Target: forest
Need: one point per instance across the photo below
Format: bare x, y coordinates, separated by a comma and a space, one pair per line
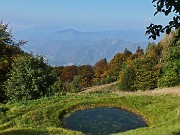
25, 76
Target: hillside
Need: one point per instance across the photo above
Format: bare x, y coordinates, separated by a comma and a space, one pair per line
43, 116
112, 88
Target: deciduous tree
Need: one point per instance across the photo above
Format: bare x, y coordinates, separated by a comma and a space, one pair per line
9, 49
171, 69
29, 78
68, 73
115, 66
166, 7
100, 70
86, 74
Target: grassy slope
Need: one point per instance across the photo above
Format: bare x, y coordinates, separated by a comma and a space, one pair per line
162, 112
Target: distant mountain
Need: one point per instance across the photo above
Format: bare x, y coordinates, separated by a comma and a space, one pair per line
75, 47
70, 34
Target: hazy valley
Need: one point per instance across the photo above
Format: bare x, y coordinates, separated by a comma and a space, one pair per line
66, 47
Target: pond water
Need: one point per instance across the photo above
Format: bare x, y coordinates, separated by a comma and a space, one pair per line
102, 121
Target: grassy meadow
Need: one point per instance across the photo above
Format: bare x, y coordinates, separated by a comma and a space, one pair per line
43, 116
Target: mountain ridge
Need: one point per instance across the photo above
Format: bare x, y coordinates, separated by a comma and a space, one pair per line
70, 46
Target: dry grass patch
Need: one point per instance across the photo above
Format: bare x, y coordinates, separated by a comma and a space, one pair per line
163, 91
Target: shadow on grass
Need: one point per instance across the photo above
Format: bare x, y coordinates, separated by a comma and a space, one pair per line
24, 132
177, 133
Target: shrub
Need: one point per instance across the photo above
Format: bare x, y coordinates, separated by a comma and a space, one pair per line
29, 78
57, 88
76, 84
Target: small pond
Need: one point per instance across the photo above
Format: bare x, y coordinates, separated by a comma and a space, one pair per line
102, 121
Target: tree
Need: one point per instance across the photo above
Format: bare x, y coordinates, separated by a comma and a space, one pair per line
138, 54
146, 73
127, 54
86, 74
9, 49
100, 70
68, 73
154, 52
76, 85
127, 76
57, 88
167, 7
6, 37
117, 63
115, 66
29, 78
171, 69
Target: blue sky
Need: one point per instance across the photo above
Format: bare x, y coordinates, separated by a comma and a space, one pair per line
80, 14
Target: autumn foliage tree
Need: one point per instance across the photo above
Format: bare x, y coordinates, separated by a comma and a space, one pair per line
127, 54
117, 63
138, 54
68, 73
86, 73
142, 71
100, 70
146, 74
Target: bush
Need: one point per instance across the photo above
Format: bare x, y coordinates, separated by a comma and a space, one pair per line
57, 88
29, 78
76, 84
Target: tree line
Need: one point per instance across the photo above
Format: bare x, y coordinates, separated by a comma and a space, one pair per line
24, 76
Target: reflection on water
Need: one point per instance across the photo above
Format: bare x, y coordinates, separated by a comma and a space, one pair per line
103, 121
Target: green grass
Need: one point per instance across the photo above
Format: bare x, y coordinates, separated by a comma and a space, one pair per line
43, 116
